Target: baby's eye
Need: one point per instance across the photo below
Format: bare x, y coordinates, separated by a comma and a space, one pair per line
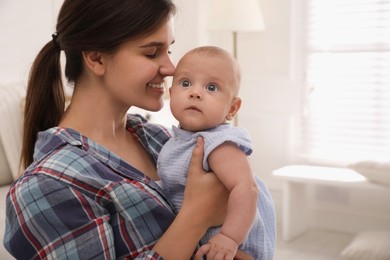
212, 87
185, 83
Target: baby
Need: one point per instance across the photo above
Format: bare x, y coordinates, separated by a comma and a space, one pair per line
204, 97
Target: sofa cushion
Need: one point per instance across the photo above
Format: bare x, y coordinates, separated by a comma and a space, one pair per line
5, 172
373, 245
11, 96
375, 171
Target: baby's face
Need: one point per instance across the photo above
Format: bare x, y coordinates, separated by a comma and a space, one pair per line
203, 91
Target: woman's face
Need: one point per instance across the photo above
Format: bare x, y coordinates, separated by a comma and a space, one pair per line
134, 74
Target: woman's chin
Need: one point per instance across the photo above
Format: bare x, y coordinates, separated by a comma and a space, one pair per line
155, 107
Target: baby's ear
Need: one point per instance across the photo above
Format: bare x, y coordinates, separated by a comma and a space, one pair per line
235, 106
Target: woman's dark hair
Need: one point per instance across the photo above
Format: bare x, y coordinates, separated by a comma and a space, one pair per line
99, 25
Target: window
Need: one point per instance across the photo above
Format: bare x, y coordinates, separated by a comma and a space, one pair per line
347, 72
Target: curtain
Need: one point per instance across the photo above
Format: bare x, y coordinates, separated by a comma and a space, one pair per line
346, 117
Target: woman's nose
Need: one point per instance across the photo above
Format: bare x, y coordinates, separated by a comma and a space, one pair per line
167, 68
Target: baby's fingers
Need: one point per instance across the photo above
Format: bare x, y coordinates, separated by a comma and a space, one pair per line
203, 250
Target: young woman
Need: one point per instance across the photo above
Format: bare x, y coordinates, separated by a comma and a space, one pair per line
89, 191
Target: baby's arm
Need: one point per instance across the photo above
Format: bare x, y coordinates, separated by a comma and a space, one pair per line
232, 167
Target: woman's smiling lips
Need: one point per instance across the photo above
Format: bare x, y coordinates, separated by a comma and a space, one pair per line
156, 85
160, 87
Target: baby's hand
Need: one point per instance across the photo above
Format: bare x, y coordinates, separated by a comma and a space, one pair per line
219, 247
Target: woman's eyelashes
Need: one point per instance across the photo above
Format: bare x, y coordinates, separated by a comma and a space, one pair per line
156, 53
151, 56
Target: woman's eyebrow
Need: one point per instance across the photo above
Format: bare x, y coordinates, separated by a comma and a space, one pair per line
155, 44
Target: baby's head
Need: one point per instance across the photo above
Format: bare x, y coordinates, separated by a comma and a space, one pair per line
205, 88
211, 56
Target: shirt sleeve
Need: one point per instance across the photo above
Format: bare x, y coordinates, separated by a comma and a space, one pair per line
223, 134
48, 219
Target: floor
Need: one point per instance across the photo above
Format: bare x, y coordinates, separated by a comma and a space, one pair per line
314, 245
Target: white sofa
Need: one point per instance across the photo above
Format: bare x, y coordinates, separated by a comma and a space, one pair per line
11, 99
4, 255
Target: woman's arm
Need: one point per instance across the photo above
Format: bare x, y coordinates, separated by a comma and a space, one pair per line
47, 219
204, 205
59, 217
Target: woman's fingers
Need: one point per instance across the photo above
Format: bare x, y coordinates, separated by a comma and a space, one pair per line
240, 255
196, 163
211, 194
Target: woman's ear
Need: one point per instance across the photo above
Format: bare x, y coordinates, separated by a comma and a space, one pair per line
236, 104
94, 62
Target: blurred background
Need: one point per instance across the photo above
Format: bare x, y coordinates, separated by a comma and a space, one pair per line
316, 101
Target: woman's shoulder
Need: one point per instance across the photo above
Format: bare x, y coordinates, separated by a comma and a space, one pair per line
152, 133
65, 157
138, 121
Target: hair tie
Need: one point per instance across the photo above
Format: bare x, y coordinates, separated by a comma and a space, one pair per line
54, 37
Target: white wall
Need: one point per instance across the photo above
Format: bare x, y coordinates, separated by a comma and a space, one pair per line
271, 91
25, 26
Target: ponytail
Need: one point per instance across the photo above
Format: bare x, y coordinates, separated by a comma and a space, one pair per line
45, 98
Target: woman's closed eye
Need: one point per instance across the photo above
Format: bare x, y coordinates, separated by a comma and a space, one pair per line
155, 53
152, 56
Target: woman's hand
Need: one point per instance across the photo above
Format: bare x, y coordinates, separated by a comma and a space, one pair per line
204, 194
240, 255
204, 205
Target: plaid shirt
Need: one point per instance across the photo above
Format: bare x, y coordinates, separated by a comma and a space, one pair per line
77, 200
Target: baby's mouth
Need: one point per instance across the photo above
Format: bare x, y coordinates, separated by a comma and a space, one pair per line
194, 108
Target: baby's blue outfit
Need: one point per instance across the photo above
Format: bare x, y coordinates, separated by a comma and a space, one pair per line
172, 166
